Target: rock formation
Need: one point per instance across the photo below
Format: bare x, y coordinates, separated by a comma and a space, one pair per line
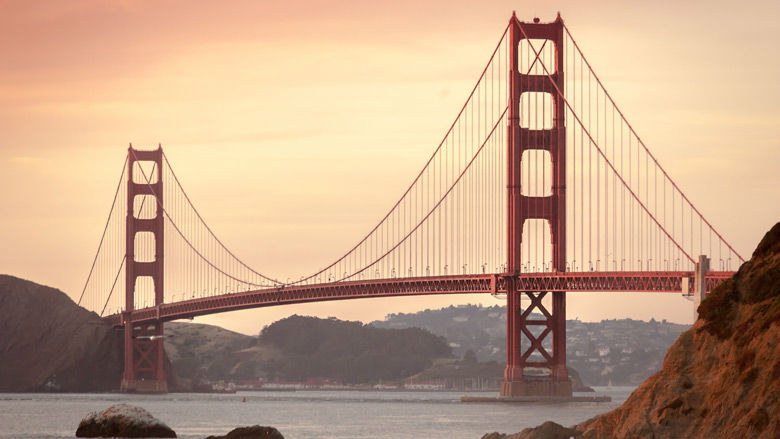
253, 432
123, 420
548, 430
47, 342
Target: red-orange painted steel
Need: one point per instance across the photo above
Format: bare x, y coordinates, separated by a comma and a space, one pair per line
640, 281
551, 208
514, 222
143, 362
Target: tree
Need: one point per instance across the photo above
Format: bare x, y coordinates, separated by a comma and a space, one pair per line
470, 357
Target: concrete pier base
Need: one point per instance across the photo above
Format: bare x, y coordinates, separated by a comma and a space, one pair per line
144, 386
536, 399
530, 386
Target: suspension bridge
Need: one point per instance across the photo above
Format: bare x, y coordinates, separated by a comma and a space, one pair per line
539, 187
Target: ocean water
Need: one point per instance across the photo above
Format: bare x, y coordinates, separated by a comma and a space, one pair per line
299, 415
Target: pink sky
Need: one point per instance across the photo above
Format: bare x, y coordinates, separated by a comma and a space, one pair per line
294, 125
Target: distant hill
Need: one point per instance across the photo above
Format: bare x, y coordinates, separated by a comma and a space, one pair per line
47, 342
348, 351
299, 348
204, 351
623, 352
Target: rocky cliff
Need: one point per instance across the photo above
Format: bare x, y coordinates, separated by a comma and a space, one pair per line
47, 342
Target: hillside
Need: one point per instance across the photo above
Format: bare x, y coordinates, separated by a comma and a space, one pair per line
623, 352
299, 348
46, 338
347, 351
721, 379
197, 350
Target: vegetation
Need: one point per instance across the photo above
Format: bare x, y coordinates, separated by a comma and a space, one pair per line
299, 348
348, 351
756, 283
205, 351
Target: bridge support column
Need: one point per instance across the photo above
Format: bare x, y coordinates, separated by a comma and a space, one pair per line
144, 358
554, 381
699, 284
550, 377
144, 369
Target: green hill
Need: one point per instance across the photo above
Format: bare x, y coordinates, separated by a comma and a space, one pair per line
348, 351
298, 348
197, 350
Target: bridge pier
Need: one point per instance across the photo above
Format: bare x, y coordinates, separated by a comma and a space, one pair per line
144, 358
699, 284
556, 381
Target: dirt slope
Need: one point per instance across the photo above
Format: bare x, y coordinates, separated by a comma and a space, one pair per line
43, 334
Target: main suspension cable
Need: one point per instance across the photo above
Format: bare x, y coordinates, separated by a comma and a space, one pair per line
647, 150
105, 229
187, 241
197, 213
420, 174
603, 156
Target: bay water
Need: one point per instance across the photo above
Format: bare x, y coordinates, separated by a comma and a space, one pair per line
300, 414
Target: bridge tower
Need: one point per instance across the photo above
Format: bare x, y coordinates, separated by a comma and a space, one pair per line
144, 369
550, 208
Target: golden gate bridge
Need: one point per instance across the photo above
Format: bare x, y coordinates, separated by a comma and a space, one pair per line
540, 186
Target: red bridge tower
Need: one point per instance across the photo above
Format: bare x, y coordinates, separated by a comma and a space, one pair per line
551, 208
144, 368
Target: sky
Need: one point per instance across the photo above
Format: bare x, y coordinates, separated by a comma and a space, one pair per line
294, 125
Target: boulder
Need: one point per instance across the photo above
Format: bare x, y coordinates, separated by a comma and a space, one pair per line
253, 432
548, 430
123, 420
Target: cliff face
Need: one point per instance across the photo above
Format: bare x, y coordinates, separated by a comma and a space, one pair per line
722, 377
45, 336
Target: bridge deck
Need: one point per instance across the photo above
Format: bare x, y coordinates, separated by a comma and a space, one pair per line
639, 281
